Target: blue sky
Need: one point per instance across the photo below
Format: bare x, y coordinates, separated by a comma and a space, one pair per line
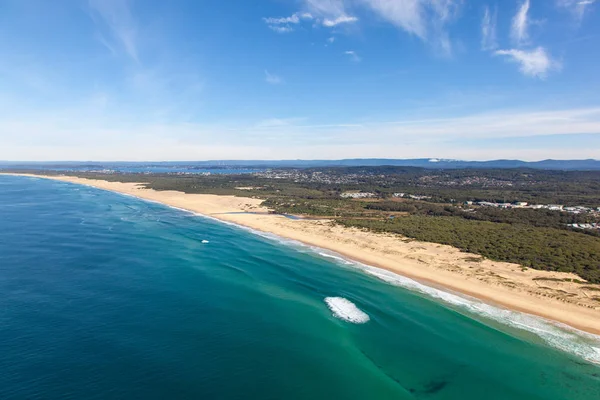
311, 79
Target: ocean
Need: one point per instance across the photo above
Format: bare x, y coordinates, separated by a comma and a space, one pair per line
105, 296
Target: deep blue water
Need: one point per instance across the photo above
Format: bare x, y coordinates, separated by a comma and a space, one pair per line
108, 297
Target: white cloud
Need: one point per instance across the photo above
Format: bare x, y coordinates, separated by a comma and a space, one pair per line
577, 7
488, 29
426, 19
535, 63
284, 24
326, 8
353, 56
342, 19
294, 19
520, 24
328, 13
273, 79
331, 39
281, 29
116, 17
408, 15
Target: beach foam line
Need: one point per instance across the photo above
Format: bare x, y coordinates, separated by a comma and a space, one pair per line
558, 335
561, 336
337, 258
343, 308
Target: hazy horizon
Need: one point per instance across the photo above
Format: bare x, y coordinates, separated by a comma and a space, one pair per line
431, 160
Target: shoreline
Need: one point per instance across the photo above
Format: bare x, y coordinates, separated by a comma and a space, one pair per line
437, 266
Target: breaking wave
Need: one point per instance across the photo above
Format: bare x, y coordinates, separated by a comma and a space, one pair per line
561, 336
343, 308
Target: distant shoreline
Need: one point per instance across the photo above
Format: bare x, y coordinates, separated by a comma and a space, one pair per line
438, 266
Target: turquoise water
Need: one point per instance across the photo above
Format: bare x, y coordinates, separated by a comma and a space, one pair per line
108, 297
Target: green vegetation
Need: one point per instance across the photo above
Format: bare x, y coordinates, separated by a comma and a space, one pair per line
539, 218
538, 248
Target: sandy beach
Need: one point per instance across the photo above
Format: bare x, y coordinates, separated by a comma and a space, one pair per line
541, 293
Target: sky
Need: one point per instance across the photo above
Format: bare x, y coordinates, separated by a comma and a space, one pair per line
145, 80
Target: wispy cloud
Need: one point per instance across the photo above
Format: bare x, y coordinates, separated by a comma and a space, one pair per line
489, 40
326, 8
342, 19
532, 62
426, 19
294, 19
353, 56
325, 13
281, 29
535, 63
115, 17
285, 24
577, 7
520, 24
408, 15
272, 79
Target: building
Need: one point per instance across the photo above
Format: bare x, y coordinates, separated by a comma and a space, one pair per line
357, 195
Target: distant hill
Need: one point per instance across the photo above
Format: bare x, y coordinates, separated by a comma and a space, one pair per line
432, 163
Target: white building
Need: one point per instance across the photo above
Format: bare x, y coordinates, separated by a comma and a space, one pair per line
357, 195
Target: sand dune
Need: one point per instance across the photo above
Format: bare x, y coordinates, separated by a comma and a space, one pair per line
536, 292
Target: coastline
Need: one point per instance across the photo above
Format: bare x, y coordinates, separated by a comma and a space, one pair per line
539, 293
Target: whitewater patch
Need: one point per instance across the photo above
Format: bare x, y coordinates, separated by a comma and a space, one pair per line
336, 258
343, 308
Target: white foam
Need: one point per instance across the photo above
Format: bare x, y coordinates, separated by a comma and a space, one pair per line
343, 308
205, 242
561, 336
337, 258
